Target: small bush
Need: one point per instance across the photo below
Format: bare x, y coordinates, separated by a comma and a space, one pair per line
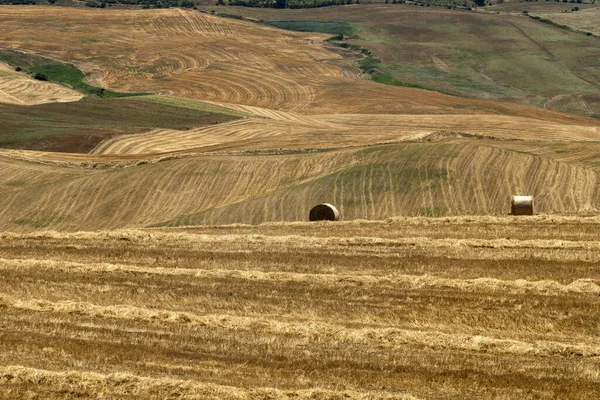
40, 77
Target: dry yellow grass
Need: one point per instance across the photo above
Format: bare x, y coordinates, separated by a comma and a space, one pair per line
195, 55
403, 309
298, 92
302, 98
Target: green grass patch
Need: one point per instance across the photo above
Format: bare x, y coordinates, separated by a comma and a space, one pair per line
69, 75
594, 164
519, 151
433, 211
373, 66
41, 219
387, 79
331, 27
15, 183
44, 69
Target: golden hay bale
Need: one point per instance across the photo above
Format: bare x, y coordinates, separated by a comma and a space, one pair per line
324, 212
521, 205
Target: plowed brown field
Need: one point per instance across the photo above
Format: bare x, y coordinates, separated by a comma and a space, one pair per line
470, 307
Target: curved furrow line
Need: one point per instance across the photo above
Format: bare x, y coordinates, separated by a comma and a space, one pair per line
206, 176
446, 167
308, 69
483, 162
152, 193
171, 204
265, 91
6, 97
144, 142
254, 91
310, 121
165, 196
222, 87
279, 89
94, 204
73, 196
116, 145
222, 51
17, 88
468, 160
178, 23
570, 103
559, 175
172, 140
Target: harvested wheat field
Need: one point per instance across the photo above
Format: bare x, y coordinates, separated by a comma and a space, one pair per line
414, 308
295, 90
446, 176
153, 244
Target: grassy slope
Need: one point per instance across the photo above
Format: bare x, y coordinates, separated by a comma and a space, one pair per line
455, 177
480, 308
78, 127
469, 54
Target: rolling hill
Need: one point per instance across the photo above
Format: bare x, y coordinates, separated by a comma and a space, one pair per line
296, 120
506, 56
154, 246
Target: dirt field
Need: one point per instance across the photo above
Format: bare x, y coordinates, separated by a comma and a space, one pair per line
469, 307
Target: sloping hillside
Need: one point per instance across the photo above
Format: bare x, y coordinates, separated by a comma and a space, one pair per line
449, 177
312, 130
483, 55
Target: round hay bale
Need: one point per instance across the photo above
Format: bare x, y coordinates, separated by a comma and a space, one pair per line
521, 205
324, 212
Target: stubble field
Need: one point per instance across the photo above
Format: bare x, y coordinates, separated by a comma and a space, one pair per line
307, 127
469, 307
120, 278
